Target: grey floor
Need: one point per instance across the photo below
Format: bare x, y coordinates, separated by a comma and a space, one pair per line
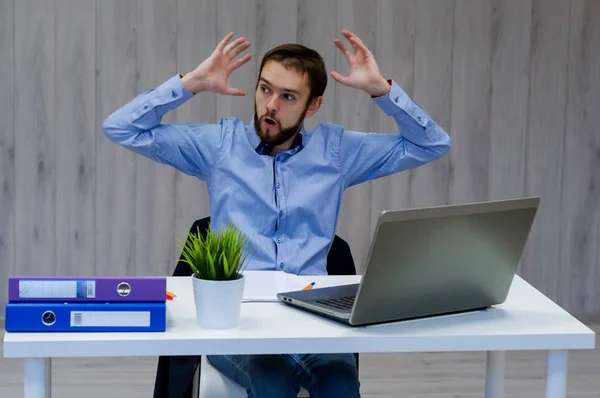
408, 375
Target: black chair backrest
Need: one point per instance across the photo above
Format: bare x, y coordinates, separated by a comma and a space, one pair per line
339, 258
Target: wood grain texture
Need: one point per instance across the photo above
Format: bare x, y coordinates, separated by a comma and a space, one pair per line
115, 166
7, 145
434, 30
195, 42
515, 83
541, 264
241, 19
355, 110
471, 95
275, 25
581, 169
316, 27
155, 237
511, 26
395, 55
75, 155
34, 137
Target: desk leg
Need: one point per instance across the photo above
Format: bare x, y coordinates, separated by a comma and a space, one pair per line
556, 374
494, 380
37, 378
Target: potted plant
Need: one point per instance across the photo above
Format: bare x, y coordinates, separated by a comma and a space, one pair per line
216, 261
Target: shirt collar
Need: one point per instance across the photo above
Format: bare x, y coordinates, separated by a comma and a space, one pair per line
265, 149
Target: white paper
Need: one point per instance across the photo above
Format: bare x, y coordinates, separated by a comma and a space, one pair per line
264, 285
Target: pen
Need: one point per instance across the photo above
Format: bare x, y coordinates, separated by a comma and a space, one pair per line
309, 286
170, 296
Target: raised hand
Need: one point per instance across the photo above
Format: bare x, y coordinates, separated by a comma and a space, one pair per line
212, 73
364, 72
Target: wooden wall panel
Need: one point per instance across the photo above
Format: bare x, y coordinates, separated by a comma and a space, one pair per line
115, 166
275, 25
548, 62
7, 145
581, 167
34, 137
471, 96
514, 82
75, 152
511, 26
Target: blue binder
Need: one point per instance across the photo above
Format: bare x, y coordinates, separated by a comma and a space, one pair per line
86, 317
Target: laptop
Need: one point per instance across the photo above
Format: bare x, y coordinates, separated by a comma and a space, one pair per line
431, 261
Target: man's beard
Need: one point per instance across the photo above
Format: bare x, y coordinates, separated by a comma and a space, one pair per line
283, 135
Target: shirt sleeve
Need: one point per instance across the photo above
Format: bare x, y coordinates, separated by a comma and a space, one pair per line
191, 148
420, 140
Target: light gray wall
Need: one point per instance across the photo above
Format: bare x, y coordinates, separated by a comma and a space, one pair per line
516, 83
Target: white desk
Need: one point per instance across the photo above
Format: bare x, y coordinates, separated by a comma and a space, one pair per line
526, 321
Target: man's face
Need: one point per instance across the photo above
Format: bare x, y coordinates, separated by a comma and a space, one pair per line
281, 103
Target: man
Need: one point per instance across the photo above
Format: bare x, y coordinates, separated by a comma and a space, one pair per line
275, 180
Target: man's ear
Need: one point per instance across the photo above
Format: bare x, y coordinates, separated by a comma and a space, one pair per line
314, 106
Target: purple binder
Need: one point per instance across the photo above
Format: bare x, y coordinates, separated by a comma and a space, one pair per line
87, 289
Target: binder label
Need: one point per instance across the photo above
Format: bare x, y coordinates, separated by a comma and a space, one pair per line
68, 289
110, 318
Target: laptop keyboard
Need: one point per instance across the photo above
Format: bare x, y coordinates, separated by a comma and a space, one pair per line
340, 303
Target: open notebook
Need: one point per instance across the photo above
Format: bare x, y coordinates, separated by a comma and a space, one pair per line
264, 285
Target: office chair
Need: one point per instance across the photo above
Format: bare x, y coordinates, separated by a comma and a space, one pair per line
194, 376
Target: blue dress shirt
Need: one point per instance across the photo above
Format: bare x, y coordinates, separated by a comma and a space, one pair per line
287, 204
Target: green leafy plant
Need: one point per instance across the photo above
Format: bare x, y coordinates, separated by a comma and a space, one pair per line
218, 256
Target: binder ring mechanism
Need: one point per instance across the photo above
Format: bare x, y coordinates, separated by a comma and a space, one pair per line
48, 318
123, 289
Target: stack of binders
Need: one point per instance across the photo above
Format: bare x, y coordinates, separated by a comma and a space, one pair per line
90, 304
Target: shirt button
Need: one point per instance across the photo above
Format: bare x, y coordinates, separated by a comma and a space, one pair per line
278, 240
278, 185
281, 212
280, 265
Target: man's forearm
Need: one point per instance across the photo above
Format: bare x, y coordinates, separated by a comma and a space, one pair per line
379, 88
193, 83
413, 122
145, 111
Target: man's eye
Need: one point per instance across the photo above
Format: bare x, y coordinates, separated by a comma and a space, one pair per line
264, 89
289, 97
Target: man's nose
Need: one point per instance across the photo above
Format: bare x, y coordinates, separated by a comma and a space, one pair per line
273, 105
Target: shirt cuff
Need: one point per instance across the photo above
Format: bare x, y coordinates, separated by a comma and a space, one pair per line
397, 101
185, 91
173, 90
390, 83
168, 96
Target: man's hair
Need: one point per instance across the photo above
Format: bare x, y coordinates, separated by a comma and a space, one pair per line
303, 60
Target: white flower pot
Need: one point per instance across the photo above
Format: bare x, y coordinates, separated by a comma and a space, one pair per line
218, 303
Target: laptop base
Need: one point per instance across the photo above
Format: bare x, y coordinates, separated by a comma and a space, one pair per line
431, 261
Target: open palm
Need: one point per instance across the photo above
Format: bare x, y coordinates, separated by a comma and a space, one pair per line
216, 69
364, 73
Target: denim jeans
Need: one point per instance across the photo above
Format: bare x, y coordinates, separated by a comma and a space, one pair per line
322, 375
